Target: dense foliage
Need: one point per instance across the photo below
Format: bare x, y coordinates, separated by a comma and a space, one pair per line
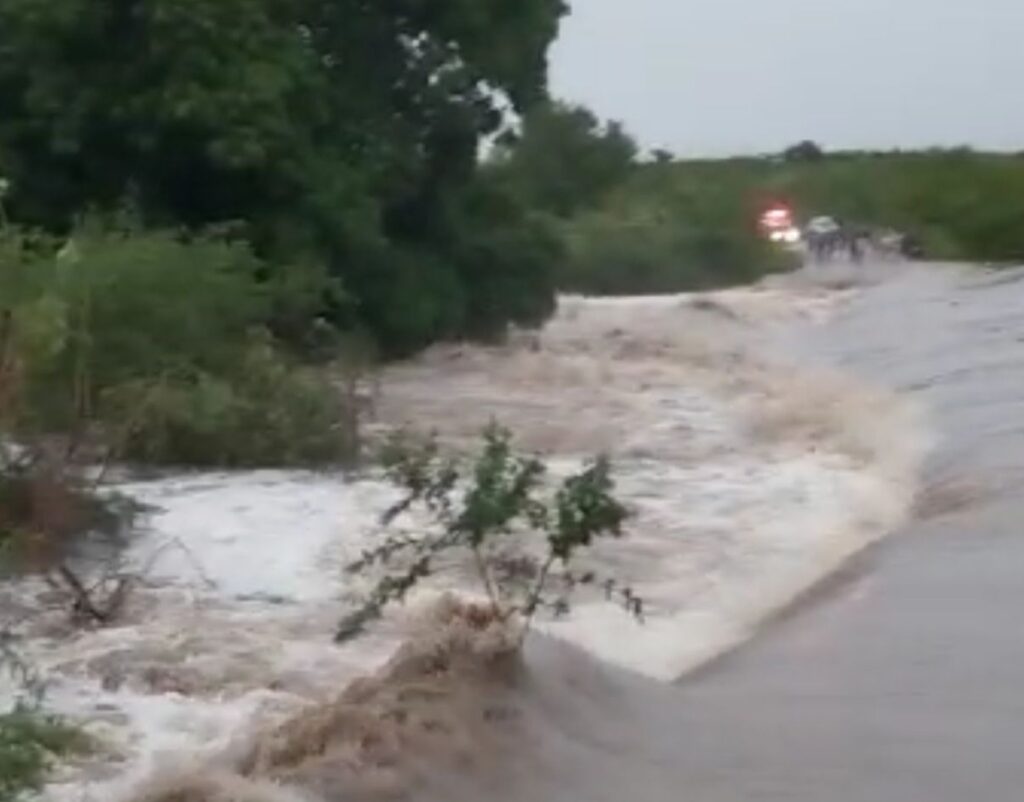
563, 159
335, 131
149, 346
625, 226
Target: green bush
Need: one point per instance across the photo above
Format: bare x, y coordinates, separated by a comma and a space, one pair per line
154, 344
30, 739
113, 308
524, 536
29, 743
265, 412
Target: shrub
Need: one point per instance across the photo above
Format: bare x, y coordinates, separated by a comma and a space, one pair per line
29, 743
152, 345
264, 412
30, 739
522, 540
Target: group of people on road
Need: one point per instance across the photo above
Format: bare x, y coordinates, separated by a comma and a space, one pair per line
828, 239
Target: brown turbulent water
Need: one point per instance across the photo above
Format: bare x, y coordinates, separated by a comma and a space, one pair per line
760, 462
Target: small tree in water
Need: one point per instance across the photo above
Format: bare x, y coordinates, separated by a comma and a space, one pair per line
521, 536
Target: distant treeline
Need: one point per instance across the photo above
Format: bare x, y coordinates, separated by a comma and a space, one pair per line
670, 225
962, 204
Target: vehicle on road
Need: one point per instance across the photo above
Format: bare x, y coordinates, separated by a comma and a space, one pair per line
822, 225
777, 225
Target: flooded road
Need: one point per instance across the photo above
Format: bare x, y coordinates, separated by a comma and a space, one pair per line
770, 442
901, 680
899, 677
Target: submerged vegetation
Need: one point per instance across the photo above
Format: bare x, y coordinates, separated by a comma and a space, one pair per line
522, 540
30, 739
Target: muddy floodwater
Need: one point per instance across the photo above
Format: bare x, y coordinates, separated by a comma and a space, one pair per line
825, 475
901, 680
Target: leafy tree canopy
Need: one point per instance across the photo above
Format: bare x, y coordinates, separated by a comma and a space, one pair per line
565, 159
345, 130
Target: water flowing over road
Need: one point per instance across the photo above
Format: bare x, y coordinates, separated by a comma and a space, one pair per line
902, 680
768, 440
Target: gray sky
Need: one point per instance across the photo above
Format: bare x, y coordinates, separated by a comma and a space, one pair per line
711, 77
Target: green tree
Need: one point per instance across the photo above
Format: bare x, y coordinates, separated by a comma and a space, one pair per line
806, 151
565, 159
333, 129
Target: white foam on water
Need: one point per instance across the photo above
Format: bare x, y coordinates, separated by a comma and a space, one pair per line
232, 626
744, 540
286, 534
750, 481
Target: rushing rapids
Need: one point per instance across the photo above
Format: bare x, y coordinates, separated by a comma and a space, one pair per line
751, 479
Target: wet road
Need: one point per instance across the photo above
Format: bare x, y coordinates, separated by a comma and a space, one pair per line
902, 680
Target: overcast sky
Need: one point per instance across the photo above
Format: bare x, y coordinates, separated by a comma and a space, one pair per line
711, 77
